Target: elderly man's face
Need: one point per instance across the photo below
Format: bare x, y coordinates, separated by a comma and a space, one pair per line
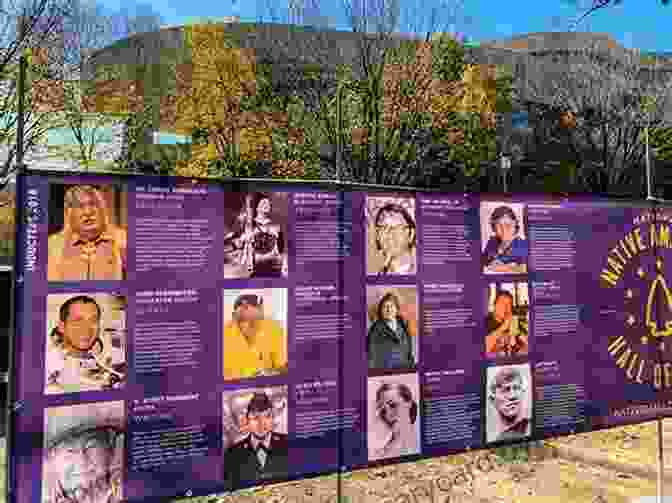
86, 216
248, 312
508, 398
394, 234
505, 228
260, 423
84, 463
503, 308
80, 329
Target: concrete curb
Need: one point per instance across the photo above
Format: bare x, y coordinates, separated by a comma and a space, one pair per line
594, 457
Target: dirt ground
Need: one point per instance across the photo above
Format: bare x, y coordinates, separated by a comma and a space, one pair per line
504, 475
482, 476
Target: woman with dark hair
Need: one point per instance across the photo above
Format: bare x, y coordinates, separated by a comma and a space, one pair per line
506, 251
395, 239
258, 242
398, 412
389, 340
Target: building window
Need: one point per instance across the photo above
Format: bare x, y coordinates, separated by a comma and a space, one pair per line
520, 120
162, 138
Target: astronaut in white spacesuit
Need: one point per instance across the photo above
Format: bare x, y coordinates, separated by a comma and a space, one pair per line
78, 357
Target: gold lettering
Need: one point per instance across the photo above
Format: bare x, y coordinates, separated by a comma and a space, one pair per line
663, 237
615, 346
638, 240
621, 243
615, 265
609, 277
630, 240
638, 378
623, 359
667, 371
618, 254
657, 377
652, 236
633, 361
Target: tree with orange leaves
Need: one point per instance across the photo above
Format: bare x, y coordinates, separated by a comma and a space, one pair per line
219, 103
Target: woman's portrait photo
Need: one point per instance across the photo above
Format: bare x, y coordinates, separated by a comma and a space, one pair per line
391, 235
85, 342
392, 335
84, 453
505, 246
509, 403
507, 321
87, 233
393, 416
255, 235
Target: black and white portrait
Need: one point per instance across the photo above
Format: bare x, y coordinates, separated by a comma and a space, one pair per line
393, 416
84, 453
255, 235
509, 403
255, 435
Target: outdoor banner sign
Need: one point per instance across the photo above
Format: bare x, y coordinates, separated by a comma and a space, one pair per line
184, 337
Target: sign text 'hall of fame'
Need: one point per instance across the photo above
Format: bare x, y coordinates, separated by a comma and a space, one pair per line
637, 266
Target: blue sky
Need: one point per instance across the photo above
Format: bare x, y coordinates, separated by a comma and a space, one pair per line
642, 24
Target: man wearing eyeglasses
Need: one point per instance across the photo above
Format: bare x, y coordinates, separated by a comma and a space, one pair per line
253, 346
395, 240
508, 395
506, 251
263, 454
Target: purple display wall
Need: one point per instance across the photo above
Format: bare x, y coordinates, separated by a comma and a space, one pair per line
180, 337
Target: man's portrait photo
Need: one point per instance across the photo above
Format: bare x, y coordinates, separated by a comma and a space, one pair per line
507, 322
87, 233
505, 248
393, 416
391, 235
85, 343
255, 436
255, 235
509, 403
84, 453
255, 333
392, 327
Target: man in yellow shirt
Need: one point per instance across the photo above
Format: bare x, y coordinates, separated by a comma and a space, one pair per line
253, 346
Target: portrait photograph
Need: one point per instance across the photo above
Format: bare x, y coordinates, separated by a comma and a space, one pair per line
393, 404
255, 441
88, 233
255, 333
390, 235
392, 327
509, 403
504, 246
508, 320
85, 342
255, 234
83, 458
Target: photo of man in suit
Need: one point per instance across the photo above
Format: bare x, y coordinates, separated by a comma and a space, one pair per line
262, 454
